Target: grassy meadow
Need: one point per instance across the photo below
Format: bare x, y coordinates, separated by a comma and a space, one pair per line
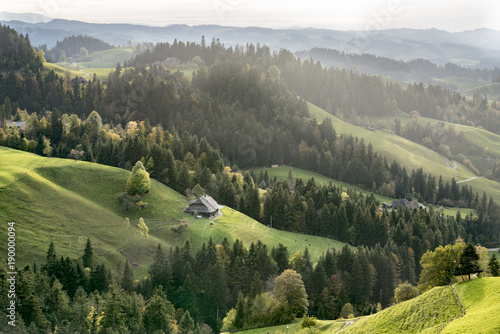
419, 156
68, 201
439, 310
395, 147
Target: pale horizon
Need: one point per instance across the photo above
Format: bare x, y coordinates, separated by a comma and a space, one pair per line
452, 16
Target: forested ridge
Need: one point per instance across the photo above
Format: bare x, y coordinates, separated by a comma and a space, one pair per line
417, 70
71, 47
240, 110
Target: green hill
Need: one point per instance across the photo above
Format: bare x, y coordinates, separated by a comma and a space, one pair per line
325, 326
491, 90
440, 309
66, 201
412, 155
424, 314
406, 152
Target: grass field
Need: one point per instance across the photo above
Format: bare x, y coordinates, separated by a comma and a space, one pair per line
423, 314
87, 73
67, 201
62, 71
463, 84
100, 63
482, 307
438, 310
470, 135
491, 90
281, 173
325, 326
426, 313
109, 58
407, 153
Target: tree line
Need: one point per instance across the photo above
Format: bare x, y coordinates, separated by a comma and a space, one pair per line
225, 287
416, 70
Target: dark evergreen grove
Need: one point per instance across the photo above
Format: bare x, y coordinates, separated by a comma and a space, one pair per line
192, 292
240, 110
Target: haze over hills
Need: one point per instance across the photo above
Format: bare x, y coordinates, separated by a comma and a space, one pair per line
475, 48
192, 119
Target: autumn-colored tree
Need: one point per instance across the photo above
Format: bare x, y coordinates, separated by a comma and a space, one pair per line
138, 183
290, 293
439, 266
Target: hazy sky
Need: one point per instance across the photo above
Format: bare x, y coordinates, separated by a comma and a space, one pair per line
451, 15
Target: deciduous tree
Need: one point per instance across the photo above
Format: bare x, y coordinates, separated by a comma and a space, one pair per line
290, 293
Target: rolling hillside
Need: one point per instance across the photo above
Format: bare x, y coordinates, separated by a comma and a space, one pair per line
66, 201
407, 153
431, 312
438, 310
412, 155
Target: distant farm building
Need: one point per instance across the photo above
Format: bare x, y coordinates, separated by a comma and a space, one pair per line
386, 205
204, 206
20, 125
171, 61
407, 204
82, 81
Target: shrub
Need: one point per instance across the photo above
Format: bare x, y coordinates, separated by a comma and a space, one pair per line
405, 291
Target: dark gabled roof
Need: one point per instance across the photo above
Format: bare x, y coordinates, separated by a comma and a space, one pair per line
404, 202
209, 202
203, 204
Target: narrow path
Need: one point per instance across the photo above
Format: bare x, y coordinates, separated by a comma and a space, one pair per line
493, 249
472, 178
86, 73
448, 162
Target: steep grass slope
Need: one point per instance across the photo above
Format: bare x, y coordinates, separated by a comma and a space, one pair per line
439, 310
412, 155
67, 201
424, 314
481, 298
407, 153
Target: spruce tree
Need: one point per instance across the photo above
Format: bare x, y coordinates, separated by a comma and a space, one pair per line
469, 261
494, 266
88, 255
127, 279
186, 324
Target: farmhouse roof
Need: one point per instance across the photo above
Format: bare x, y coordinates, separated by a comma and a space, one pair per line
21, 125
204, 204
405, 203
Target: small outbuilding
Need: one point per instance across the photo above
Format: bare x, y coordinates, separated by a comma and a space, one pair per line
204, 206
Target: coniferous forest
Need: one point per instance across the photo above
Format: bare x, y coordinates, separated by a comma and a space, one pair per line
244, 108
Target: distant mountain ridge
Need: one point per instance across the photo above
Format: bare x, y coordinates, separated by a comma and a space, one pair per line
478, 48
24, 17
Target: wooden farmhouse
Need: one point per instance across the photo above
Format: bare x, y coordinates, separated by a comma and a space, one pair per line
204, 206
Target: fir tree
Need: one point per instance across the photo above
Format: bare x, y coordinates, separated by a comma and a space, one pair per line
88, 255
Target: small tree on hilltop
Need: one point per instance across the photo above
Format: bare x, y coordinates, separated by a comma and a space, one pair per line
309, 323
138, 183
405, 291
469, 261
